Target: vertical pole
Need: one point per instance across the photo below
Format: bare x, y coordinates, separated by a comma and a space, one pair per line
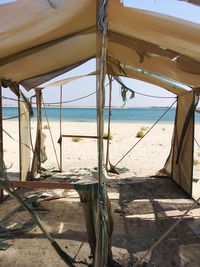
101, 252
19, 129
36, 162
39, 111
60, 128
1, 141
109, 119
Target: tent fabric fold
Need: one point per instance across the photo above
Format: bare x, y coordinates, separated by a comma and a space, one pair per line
46, 40
24, 140
38, 80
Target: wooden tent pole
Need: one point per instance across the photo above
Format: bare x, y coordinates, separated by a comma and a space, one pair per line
1, 141
103, 254
109, 119
19, 130
36, 162
60, 143
39, 93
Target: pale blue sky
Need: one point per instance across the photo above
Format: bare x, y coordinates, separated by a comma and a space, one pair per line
87, 85
175, 8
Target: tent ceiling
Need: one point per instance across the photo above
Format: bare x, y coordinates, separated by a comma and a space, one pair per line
156, 64
26, 24
113, 68
52, 58
42, 39
168, 32
35, 81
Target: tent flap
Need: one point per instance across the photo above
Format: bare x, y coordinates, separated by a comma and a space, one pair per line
24, 138
182, 162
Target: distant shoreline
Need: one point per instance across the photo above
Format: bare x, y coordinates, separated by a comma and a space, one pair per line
94, 107
88, 114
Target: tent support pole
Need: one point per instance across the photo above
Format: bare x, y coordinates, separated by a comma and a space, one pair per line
103, 254
19, 129
109, 119
36, 162
1, 142
60, 143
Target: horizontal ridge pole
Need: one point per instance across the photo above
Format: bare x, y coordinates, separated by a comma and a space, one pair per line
43, 185
83, 136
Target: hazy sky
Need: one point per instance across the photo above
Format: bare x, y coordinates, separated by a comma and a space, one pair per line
87, 85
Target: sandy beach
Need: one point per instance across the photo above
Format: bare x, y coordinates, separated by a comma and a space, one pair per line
145, 159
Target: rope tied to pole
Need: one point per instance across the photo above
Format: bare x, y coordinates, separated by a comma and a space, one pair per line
113, 166
50, 133
52, 103
15, 117
5, 184
69, 101
197, 142
11, 137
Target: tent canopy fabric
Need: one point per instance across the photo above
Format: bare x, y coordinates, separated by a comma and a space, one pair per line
40, 40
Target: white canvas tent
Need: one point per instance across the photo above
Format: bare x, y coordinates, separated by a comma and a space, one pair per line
40, 40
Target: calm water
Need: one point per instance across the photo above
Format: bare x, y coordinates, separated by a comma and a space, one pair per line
89, 114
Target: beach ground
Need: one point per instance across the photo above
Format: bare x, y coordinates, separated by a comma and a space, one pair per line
143, 207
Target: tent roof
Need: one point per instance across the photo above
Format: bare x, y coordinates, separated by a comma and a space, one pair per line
40, 40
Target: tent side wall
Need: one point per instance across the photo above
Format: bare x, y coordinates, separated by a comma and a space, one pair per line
180, 161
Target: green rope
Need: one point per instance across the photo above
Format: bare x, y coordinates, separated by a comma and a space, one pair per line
5, 184
144, 135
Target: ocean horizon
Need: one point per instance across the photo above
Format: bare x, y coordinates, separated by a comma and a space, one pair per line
86, 114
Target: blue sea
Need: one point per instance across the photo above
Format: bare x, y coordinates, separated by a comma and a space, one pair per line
118, 114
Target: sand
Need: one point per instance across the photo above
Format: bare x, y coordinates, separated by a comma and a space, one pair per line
143, 208
145, 159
